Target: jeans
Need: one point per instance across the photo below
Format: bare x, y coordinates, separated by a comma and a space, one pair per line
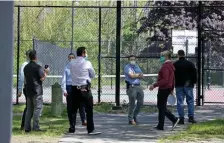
181, 92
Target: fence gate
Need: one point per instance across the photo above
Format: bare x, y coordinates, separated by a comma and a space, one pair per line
212, 55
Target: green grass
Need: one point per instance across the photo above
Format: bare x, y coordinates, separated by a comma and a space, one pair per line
55, 126
203, 131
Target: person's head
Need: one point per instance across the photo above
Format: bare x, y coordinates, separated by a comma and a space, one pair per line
165, 55
27, 55
180, 53
81, 52
71, 56
33, 55
132, 59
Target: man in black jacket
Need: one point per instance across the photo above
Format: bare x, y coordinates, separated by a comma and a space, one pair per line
185, 78
34, 76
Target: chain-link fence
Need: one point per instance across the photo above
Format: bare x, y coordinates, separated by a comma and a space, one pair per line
147, 28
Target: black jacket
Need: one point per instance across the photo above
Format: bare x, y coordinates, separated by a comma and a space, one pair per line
33, 73
185, 73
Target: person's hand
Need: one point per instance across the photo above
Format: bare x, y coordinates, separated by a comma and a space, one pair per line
172, 93
19, 94
151, 87
47, 70
141, 75
65, 94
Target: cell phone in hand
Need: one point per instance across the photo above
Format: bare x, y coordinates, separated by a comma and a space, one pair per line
46, 66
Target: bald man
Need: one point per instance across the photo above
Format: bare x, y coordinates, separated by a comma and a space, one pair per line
165, 83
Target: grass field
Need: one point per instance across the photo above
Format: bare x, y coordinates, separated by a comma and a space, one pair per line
209, 130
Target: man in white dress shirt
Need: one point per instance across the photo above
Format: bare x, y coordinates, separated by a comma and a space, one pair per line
81, 73
67, 90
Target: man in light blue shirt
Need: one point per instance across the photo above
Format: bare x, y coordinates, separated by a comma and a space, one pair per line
67, 89
133, 76
20, 86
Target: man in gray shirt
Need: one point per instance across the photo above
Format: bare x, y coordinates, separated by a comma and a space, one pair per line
34, 75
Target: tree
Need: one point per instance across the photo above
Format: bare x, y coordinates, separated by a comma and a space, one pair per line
161, 20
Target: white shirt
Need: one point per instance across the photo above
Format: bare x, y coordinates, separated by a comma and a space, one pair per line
81, 71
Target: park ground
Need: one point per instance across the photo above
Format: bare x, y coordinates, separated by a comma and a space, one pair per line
114, 127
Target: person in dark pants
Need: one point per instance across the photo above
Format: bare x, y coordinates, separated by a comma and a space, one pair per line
81, 73
185, 78
34, 76
21, 88
165, 83
67, 90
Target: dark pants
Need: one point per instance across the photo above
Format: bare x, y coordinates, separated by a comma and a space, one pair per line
70, 105
82, 97
24, 112
163, 111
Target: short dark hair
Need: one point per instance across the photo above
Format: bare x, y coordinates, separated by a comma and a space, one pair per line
130, 56
71, 54
181, 53
27, 52
80, 51
32, 55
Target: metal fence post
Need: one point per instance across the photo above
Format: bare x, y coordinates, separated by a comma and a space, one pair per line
6, 59
99, 58
72, 26
209, 64
199, 53
18, 52
118, 46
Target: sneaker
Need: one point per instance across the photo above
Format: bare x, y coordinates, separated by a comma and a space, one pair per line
191, 120
181, 122
94, 133
132, 123
175, 123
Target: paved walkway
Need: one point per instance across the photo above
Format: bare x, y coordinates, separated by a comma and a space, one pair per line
114, 127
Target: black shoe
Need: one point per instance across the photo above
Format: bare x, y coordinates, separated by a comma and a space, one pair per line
181, 122
159, 129
175, 123
27, 131
191, 120
71, 131
94, 133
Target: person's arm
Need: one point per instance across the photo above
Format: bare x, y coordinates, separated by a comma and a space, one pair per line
128, 71
42, 74
91, 70
165, 78
63, 82
21, 80
140, 71
194, 73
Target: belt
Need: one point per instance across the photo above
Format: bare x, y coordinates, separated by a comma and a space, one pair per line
132, 85
81, 86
